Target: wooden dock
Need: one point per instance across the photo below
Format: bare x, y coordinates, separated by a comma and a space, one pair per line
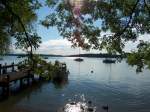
6, 77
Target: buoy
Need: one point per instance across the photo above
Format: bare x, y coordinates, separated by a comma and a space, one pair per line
92, 71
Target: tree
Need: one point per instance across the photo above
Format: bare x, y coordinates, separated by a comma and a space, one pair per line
17, 19
125, 19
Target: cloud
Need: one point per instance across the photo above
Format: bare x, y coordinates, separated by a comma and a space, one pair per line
12, 49
60, 46
56, 42
63, 47
54, 46
131, 46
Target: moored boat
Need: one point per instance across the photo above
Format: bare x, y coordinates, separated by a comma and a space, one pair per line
109, 61
78, 59
18, 56
45, 57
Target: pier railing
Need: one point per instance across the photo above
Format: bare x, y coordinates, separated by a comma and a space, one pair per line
13, 74
4, 68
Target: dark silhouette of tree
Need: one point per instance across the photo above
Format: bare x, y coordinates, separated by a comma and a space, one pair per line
17, 18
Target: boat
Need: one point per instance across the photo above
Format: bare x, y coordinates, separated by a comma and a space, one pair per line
109, 61
1, 58
78, 59
45, 57
19, 57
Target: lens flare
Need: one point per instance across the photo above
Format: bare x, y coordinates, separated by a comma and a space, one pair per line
76, 3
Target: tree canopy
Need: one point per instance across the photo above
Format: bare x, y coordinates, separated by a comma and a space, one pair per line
17, 19
76, 20
126, 20
82, 22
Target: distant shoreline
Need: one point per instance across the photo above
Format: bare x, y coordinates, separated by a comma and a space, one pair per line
101, 55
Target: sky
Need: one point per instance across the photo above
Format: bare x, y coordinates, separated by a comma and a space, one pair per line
53, 43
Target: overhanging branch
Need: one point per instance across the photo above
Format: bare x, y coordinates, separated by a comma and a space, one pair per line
130, 19
4, 2
148, 8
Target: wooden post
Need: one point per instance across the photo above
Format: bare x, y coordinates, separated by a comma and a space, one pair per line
7, 86
28, 78
21, 83
3, 90
33, 80
40, 78
0, 69
4, 69
13, 67
32, 76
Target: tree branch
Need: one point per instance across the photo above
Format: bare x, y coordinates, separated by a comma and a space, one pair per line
148, 8
21, 23
130, 19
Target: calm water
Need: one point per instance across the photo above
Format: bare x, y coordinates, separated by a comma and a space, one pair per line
116, 85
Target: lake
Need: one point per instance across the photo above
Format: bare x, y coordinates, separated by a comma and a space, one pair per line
116, 85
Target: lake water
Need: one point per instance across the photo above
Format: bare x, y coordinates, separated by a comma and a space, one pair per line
116, 85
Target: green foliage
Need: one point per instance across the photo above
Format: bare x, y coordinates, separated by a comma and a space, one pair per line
46, 70
140, 58
62, 17
125, 19
4, 43
22, 41
17, 18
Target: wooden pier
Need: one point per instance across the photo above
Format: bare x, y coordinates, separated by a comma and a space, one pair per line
6, 77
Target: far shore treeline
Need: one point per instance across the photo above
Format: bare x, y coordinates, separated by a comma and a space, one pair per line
98, 55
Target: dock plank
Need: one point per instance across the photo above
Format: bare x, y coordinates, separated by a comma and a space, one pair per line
13, 76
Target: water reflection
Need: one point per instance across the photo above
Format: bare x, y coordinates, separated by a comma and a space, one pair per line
78, 107
78, 104
60, 82
22, 92
116, 85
